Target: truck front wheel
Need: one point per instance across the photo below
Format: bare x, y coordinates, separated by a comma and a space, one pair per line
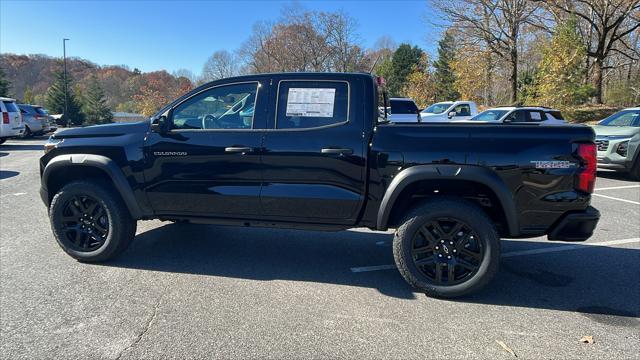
90, 222
447, 247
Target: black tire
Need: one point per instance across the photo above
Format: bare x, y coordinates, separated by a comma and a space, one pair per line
476, 244
635, 170
99, 240
27, 133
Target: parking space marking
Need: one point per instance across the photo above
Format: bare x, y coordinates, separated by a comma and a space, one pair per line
615, 198
619, 187
16, 194
519, 253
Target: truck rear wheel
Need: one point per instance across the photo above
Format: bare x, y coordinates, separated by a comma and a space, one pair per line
90, 222
447, 247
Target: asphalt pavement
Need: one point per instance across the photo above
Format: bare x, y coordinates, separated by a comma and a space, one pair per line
195, 291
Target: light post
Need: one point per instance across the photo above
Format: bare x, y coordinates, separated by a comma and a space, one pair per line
64, 61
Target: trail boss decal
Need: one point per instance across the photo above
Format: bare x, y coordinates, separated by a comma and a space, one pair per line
170, 153
553, 164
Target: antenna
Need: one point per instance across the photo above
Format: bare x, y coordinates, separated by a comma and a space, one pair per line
375, 63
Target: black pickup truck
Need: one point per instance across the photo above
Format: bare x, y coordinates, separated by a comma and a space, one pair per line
312, 151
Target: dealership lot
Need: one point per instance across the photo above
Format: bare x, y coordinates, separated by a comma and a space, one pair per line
213, 291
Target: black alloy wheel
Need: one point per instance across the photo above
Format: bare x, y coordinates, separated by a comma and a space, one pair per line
85, 223
447, 251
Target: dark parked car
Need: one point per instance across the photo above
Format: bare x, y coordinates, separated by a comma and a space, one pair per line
310, 151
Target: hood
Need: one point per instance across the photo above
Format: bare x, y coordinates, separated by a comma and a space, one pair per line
107, 130
617, 131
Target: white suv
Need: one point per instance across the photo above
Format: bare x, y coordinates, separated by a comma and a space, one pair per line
11, 125
526, 115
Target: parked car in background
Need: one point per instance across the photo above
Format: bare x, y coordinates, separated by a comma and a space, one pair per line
449, 111
36, 120
403, 110
618, 141
12, 125
533, 115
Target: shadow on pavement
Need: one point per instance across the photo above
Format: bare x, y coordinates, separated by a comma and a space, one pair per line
5, 174
615, 175
596, 281
2, 154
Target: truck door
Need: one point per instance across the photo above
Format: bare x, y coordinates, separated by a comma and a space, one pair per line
314, 152
208, 163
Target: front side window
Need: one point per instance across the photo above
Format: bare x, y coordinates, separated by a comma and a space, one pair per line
223, 107
623, 118
310, 104
517, 116
462, 110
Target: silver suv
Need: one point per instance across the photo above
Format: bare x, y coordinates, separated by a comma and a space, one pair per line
618, 140
36, 120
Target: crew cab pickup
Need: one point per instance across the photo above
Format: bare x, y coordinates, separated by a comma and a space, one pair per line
311, 151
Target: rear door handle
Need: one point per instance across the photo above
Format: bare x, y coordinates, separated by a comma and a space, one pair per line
237, 149
337, 151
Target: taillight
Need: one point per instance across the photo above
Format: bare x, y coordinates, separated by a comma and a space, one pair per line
5, 118
587, 173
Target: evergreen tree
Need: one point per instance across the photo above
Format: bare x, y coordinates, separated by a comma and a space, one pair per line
5, 85
405, 59
27, 98
55, 99
94, 107
444, 76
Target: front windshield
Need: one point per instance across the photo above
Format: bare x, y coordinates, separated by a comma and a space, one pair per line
437, 108
623, 118
490, 115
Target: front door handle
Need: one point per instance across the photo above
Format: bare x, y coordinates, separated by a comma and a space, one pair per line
237, 149
337, 151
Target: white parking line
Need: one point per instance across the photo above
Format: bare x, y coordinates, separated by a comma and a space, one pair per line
16, 194
520, 253
615, 198
619, 187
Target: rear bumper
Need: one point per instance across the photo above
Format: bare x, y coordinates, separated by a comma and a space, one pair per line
575, 225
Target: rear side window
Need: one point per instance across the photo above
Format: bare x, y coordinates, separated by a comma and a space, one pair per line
556, 115
403, 107
517, 116
463, 110
11, 106
537, 116
311, 104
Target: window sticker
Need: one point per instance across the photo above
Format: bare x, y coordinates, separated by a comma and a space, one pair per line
535, 115
311, 102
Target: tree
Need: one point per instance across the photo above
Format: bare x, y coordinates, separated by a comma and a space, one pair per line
55, 99
95, 107
496, 24
5, 85
472, 67
27, 98
444, 77
420, 85
221, 64
562, 69
405, 58
609, 22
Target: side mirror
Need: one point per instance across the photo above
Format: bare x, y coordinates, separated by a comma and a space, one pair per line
160, 125
451, 114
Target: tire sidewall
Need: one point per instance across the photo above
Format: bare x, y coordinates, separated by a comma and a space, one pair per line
450, 209
56, 209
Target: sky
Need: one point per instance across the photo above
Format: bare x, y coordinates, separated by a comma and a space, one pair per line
172, 35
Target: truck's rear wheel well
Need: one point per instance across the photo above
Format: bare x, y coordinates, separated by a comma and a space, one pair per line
473, 191
61, 177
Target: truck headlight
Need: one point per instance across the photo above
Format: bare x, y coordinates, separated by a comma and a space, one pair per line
622, 148
51, 144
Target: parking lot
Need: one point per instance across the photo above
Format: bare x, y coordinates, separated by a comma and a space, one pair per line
214, 291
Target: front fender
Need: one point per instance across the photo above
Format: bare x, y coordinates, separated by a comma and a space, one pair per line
476, 174
98, 161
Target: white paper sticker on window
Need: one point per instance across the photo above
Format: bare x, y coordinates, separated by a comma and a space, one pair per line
535, 115
311, 102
